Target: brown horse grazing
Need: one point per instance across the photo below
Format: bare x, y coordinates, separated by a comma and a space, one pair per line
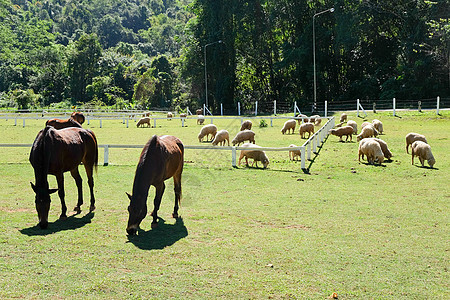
55, 152
161, 158
75, 120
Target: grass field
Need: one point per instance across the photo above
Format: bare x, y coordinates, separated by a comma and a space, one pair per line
362, 231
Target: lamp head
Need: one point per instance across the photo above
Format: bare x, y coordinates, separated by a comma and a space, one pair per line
332, 9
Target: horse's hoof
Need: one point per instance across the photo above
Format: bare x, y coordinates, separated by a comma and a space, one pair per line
91, 208
77, 209
154, 225
175, 215
63, 217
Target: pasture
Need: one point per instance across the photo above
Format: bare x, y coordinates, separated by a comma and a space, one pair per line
362, 231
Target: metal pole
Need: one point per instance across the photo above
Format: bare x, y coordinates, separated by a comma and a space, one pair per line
437, 105
326, 108
393, 106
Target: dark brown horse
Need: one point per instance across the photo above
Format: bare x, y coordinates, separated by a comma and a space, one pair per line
161, 158
55, 152
76, 120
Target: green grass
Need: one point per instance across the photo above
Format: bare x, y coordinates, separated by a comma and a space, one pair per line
364, 232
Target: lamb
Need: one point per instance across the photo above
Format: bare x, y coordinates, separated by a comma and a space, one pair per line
143, 121
372, 150
256, 155
220, 138
343, 117
340, 132
288, 125
303, 117
423, 151
306, 128
183, 115
200, 120
315, 119
206, 131
294, 153
366, 132
169, 115
378, 125
245, 135
247, 124
199, 111
412, 137
354, 125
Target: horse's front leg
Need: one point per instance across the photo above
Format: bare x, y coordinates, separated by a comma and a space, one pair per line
61, 194
76, 175
156, 203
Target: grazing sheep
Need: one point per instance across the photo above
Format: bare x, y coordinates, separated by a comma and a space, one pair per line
372, 150
318, 121
423, 151
200, 120
220, 138
304, 118
315, 119
306, 128
340, 132
169, 115
199, 111
147, 114
364, 124
343, 117
247, 124
143, 121
245, 135
183, 115
354, 125
384, 147
378, 125
294, 153
366, 132
288, 125
256, 155
412, 137
206, 131
339, 125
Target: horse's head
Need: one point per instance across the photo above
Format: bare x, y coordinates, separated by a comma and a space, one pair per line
137, 211
42, 201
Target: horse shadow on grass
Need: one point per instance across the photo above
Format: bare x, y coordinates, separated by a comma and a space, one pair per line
160, 237
71, 223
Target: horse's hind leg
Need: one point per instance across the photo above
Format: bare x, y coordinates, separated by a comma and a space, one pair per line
177, 189
156, 203
89, 172
76, 176
61, 194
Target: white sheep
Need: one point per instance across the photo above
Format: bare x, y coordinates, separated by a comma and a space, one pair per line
247, 124
378, 125
340, 132
294, 153
143, 121
183, 115
423, 151
221, 137
200, 120
303, 117
364, 124
412, 137
372, 150
315, 119
169, 115
306, 128
354, 125
288, 125
199, 111
206, 131
384, 147
366, 132
343, 117
244, 135
256, 155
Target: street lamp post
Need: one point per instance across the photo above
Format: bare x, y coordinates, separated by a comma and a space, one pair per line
314, 54
206, 77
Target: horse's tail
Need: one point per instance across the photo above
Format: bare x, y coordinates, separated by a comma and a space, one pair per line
96, 148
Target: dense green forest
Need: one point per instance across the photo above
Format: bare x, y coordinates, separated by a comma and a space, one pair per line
151, 53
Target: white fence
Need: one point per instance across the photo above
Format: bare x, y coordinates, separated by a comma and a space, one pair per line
309, 147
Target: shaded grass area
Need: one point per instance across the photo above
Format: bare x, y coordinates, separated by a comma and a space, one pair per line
359, 230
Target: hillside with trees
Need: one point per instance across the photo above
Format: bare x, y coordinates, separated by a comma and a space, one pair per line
151, 53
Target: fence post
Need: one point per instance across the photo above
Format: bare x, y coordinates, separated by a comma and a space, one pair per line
437, 105
302, 157
154, 122
127, 122
24, 123
239, 108
308, 155
374, 108
393, 106
106, 155
271, 124
256, 108
326, 108
419, 104
89, 120
15, 121
100, 123
295, 106
274, 108
182, 122
233, 156
357, 107
221, 109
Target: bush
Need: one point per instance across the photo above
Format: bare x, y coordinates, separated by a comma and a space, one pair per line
263, 123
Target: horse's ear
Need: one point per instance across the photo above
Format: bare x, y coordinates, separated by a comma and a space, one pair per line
33, 187
129, 196
51, 191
